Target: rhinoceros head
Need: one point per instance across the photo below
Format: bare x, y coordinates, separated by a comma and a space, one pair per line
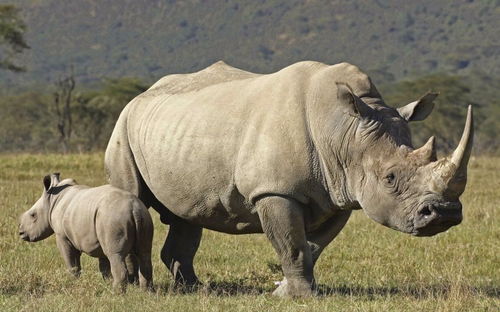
406, 189
35, 223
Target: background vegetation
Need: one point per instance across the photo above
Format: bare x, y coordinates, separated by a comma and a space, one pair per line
12, 41
367, 268
92, 57
407, 47
391, 39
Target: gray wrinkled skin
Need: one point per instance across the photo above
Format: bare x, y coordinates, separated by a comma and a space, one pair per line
104, 222
289, 154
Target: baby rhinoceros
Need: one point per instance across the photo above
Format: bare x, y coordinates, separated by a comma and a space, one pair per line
103, 222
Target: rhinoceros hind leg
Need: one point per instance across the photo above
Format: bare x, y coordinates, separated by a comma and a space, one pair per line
283, 224
132, 264
119, 272
104, 267
178, 252
146, 271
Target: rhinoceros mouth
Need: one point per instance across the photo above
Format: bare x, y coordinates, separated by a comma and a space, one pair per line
431, 219
24, 236
433, 230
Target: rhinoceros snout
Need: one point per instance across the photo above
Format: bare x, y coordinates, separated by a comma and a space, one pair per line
434, 218
23, 236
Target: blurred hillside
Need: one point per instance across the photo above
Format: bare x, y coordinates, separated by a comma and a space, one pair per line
390, 39
407, 47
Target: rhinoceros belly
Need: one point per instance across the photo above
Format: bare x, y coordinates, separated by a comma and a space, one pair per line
79, 226
186, 153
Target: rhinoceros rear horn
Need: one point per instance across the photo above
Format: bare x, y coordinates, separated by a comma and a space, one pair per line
426, 153
460, 157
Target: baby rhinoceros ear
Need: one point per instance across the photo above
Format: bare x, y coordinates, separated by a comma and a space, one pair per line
50, 181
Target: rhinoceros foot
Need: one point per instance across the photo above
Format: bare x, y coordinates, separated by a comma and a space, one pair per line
190, 286
295, 288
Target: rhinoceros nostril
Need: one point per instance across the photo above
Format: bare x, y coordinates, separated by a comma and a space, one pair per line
425, 211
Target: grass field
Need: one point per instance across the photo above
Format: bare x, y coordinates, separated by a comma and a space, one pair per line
367, 268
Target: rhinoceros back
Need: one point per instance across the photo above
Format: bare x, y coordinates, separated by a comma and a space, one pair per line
209, 144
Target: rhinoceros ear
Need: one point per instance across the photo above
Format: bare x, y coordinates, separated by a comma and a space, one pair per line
418, 110
50, 180
46, 182
351, 102
55, 178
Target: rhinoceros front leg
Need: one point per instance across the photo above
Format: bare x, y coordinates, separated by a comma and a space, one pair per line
178, 252
323, 236
104, 267
283, 223
70, 255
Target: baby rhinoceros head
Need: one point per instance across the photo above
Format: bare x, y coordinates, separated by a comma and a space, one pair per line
34, 224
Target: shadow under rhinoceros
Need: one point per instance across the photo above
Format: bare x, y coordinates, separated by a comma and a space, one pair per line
215, 288
418, 292
233, 288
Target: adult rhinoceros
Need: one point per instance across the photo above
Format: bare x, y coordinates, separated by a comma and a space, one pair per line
290, 154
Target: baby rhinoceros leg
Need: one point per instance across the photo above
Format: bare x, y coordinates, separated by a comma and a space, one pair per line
70, 254
143, 245
125, 229
145, 268
116, 239
119, 272
116, 246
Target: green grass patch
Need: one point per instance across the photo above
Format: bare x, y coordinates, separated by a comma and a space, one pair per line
367, 267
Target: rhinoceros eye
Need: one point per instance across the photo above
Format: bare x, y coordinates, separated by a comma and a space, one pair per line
390, 179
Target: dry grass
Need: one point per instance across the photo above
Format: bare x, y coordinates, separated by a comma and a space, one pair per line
367, 268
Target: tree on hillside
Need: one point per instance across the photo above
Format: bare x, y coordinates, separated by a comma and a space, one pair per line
66, 119
12, 40
97, 111
63, 98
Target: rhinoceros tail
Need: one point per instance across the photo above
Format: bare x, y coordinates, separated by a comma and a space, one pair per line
143, 228
143, 243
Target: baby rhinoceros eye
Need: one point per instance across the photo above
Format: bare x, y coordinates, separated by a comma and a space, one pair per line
390, 179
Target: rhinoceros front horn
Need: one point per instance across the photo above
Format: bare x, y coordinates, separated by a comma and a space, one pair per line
460, 158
